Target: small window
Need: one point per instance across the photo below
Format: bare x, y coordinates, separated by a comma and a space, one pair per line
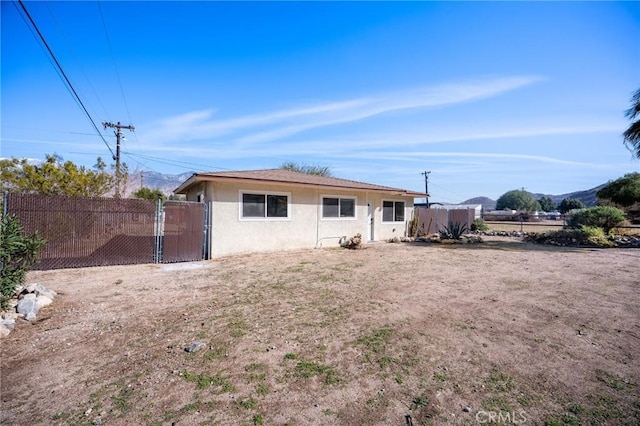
393, 211
338, 207
277, 205
265, 206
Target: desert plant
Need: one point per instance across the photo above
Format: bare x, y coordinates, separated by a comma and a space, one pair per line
413, 227
605, 217
353, 243
479, 224
17, 254
453, 231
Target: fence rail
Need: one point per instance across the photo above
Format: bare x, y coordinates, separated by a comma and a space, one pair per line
92, 231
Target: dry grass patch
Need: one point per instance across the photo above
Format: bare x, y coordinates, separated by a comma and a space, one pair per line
384, 335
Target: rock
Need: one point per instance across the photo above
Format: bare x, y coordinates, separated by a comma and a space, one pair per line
42, 301
467, 409
10, 315
28, 307
195, 346
9, 323
41, 290
4, 331
30, 288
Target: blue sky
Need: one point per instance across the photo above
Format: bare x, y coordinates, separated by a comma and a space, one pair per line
486, 96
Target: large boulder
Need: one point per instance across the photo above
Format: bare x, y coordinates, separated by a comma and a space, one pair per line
28, 306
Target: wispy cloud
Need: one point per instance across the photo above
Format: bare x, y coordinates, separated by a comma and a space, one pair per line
275, 125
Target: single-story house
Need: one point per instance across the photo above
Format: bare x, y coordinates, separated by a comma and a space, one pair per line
276, 209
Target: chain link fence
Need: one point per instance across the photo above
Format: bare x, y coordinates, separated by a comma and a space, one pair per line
92, 231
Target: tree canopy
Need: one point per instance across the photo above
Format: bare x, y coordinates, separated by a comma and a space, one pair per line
624, 191
631, 136
55, 177
304, 168
517, 199
547, 204
146, 193
569, 204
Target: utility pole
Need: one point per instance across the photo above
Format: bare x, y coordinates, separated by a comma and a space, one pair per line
426, 185
119, 134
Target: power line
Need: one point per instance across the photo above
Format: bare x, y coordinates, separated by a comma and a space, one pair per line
175, 163
48, 131
64, 75
75, 57
115, 67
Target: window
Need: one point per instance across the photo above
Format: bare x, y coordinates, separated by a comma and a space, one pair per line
393, 211
265, 206
338, 207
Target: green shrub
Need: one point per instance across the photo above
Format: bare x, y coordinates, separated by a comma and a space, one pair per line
594, 235
605, 217
454, 231
17, 254
479, 224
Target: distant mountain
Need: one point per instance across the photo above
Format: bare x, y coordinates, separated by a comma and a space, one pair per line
588, 198
487, 203
166, 183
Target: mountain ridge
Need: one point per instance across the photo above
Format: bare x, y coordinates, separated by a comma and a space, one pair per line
588, 197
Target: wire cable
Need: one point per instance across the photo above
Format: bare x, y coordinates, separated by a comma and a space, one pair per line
115, 67
175, 163
75, 57
64, 75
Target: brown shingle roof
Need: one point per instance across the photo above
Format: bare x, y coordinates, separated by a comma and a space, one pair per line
291, 177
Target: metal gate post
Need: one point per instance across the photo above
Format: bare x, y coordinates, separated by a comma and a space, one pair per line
157, 251
206, 231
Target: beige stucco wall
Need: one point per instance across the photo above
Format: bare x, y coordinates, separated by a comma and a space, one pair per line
304, 228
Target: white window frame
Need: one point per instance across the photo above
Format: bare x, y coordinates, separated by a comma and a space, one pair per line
265, 218
404, 211
339, 197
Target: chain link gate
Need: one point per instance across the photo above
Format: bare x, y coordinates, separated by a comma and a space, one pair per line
93, 231
183, 233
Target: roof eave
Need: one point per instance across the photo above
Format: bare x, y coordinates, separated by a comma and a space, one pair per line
186, 184
196, 177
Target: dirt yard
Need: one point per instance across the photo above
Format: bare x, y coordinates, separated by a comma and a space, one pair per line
394, 334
